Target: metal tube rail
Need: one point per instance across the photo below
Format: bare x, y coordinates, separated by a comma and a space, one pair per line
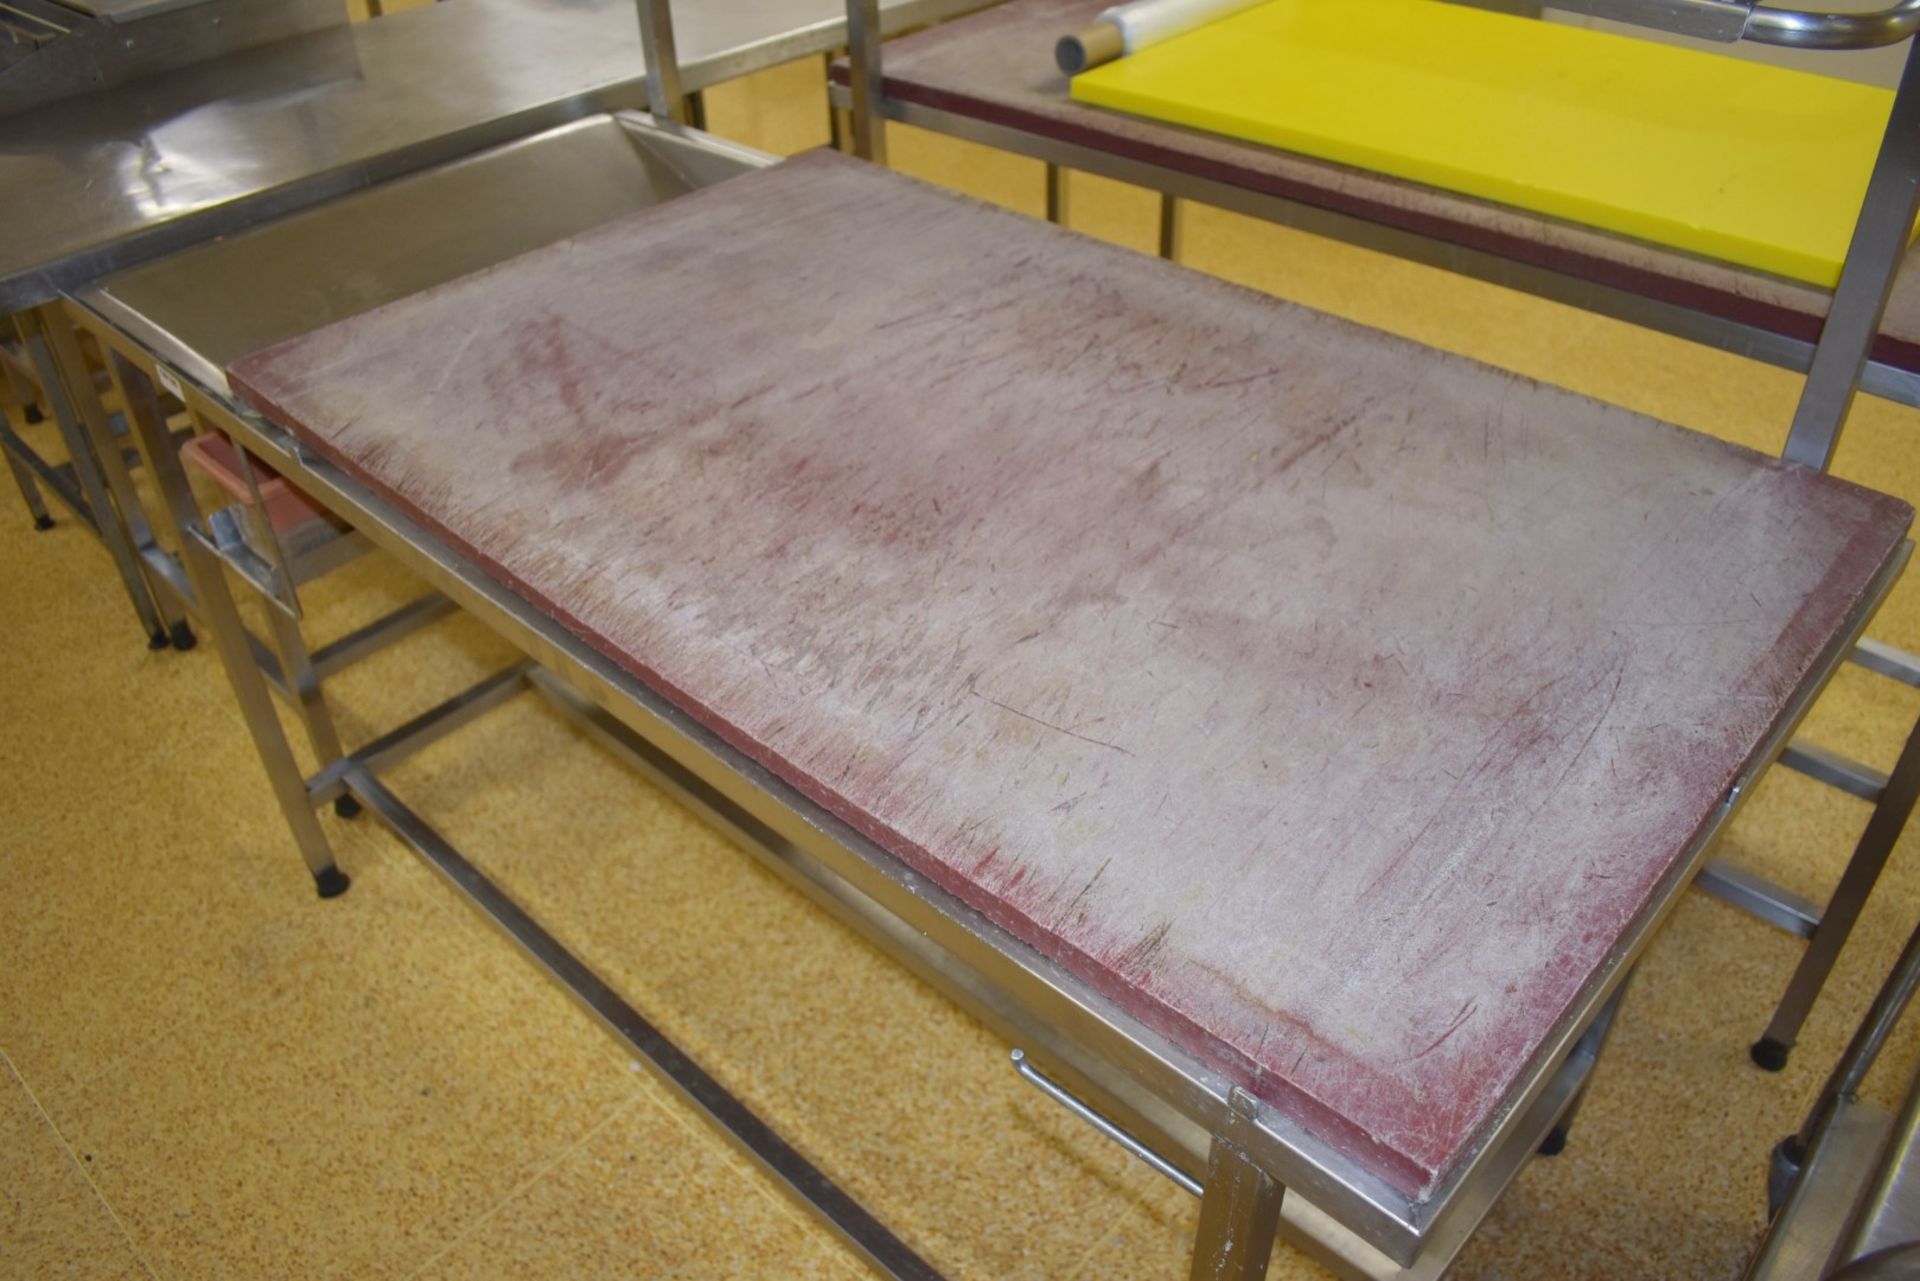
1879, 243
1112, 1129
665, 97
772, 1157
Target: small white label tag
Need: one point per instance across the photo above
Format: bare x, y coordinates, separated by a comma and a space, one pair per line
168, 381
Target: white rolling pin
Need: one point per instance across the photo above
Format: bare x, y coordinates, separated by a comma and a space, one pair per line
1129, 28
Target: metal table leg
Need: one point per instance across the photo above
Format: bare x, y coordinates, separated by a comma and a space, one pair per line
29, 492
1168, 245
24, 393
1879, 242
138, 400
1849, 897
1056, 195
1593, 1044
302, 679
296, 665
1239, 1216
665, 99
112, 463
105, 520
11, 393
864, 80
221, 617
836, 133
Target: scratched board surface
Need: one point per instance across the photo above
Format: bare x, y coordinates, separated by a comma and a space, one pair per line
1332, 703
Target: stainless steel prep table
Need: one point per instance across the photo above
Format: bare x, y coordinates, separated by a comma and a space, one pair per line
92, 185
1375, 1211
991, 78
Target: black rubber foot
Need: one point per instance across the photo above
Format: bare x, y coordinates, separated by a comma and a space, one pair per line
332, 883
34, 414
346, 807
182, 637
158, 641
1555, 1143
1770, 1054
43, 523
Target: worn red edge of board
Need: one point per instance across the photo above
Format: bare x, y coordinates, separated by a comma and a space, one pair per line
1413, 1179
1636, 281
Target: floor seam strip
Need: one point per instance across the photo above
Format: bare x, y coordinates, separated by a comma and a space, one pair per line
485, 1216
757, 1177
1098, 1239
139, 1255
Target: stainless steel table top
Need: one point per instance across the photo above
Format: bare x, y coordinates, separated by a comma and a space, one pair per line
93, 185
201, 308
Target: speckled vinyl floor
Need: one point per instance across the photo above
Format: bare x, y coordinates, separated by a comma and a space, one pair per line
205, 1072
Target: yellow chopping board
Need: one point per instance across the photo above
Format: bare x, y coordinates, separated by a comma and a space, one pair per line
1753, 164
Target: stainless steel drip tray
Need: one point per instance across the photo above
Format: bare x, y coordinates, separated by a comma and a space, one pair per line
199, 309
